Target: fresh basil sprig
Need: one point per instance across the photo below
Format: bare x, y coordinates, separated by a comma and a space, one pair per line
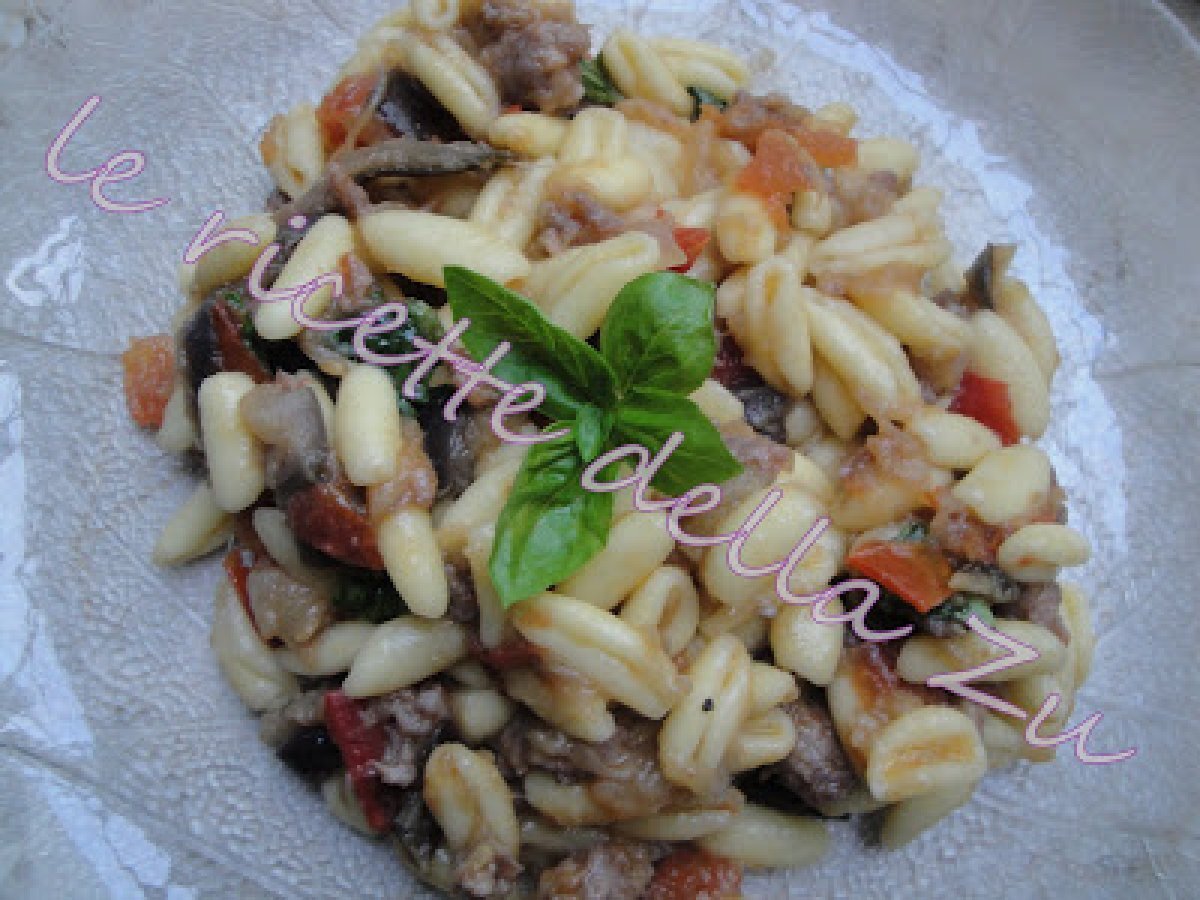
598, 85
657, 345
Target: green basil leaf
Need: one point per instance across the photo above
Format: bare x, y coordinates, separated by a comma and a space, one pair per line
573, 374
702, 98
659, 333
598, 85
550, 526
960, 607
648, 417
591, 429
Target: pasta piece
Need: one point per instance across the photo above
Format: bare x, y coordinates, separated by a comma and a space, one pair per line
457, 80
196, 529
797, 251
1007, 483
247, 663
338, 795
924, 656
744, 230
951, 440
667, 602
702, 65
480, 504
636, 546
904, 236
508, 205
566, 805
319, 253
231, 260
767, 315
773, 540
471, 674
768, 688
236, 468
565, 700
763, 838
810, 478
997, 352
402, 652
915, 321
869, 361
905, 821
178, 432
762, 740
699, 211
480, 714
687, 825
812, 213
663, 156
532, 135
492, 616
698, 733
639, 70
1038, 551
810, 649
834, 403
293, 151
888, 499
1016, 306
576, 288
596, 157
366, 426
441, 15
472, 805
925, 751
837, 116
330, 653
419, 245
272, 529
1030, 695
622, 662
410, 552
888, 155
718, 403
803, 421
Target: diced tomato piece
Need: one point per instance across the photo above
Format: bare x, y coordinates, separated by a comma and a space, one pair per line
238, 565
987, 400
362, 745
324, 516
149, 366
916, 572
827, 148
689, 874
775, 173
342, 105
512, 654
236, 355
692, 242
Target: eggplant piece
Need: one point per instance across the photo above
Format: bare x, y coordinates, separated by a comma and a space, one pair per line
765, 410
409, 109
311, 751
402, 157
287, 419
986, 273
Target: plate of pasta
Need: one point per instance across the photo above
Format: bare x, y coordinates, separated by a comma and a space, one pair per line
588, 451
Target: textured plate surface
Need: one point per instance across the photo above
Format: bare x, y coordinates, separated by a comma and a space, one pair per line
131, 771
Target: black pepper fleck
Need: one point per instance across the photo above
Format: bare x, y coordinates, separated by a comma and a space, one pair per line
708, 705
